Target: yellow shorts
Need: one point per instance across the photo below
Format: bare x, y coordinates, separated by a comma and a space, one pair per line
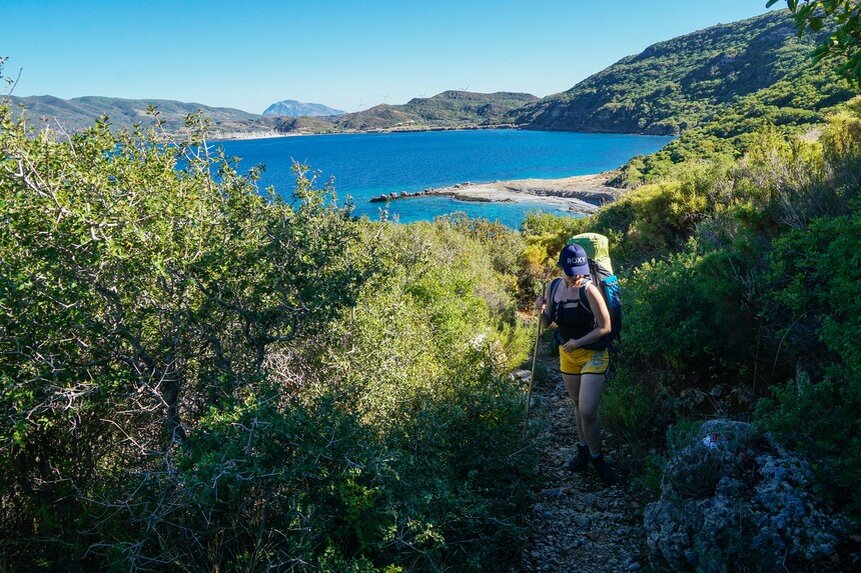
583, 361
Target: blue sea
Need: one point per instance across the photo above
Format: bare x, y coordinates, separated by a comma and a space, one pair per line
366, 165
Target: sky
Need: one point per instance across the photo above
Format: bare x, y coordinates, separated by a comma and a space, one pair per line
349, 55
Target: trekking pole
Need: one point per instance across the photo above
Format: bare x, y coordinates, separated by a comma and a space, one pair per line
534, 358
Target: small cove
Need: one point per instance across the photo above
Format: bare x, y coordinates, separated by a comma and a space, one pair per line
367, 165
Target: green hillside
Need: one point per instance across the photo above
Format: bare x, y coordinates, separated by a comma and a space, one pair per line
796, 105
449, 109
680, 83
77, 113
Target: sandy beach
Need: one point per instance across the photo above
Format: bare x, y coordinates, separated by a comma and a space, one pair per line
579, 194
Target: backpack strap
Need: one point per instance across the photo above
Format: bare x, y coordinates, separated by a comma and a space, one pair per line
552, 303
584, 300
594, 276
603, 340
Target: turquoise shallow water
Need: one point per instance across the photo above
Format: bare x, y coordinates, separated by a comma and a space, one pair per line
365, 165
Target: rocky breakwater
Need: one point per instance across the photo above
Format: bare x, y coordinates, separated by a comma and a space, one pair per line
384, 198
732, 499
444, 192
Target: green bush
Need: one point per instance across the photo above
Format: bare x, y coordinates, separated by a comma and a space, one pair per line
197, 376
817, 273
425, 367
647, 223
632, 406
681, 316
820, 420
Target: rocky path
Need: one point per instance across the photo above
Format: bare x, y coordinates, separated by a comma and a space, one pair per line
575, 524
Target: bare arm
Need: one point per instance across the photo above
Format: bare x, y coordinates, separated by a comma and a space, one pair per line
542, 303
602, 316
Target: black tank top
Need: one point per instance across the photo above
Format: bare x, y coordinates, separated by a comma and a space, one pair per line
575, 320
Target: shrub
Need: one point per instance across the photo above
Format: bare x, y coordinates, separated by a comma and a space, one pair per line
632, 406
816, 304
196, 376
679, 313
425, 366
820, 420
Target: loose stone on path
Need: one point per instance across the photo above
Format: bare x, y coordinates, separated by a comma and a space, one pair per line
575, 524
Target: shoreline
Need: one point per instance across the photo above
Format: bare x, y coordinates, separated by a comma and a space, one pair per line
583, 194
271, 134
252, 134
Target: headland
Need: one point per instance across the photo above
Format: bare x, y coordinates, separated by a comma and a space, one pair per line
579, 194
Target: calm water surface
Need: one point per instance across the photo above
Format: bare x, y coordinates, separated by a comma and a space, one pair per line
365, 165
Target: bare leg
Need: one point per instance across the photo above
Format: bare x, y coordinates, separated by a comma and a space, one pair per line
591, 386
572, 383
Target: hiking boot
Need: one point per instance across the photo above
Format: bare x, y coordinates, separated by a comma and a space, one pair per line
580, 461
605, 472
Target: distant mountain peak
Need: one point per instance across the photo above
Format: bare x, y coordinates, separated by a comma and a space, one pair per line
293, 108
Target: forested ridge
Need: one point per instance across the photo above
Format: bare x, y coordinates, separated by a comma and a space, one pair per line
795, 106
452, 109
715, 88
197, 374
678, 84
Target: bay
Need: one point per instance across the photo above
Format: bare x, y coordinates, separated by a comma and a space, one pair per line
366, 165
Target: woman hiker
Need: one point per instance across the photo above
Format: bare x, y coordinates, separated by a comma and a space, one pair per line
583, 321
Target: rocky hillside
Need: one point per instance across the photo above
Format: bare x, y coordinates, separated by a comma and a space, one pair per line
293, 108
78, 113
679, 83
448, 109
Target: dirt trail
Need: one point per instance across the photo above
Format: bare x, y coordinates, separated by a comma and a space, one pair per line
575, 524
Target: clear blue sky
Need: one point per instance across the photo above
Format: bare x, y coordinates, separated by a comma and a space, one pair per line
345, 54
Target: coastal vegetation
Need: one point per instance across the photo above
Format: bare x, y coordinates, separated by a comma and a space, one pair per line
715, 88
199, 375
795, 106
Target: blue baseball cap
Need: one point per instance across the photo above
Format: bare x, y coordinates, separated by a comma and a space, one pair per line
573, 260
